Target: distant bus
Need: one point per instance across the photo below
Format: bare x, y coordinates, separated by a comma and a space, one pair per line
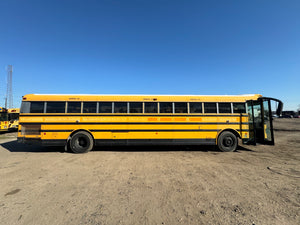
13, 118
80, 122
3, 119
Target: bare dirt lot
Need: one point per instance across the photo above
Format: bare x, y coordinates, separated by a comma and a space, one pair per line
153, 185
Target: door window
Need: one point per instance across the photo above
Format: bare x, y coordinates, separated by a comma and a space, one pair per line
267, 122
260, 122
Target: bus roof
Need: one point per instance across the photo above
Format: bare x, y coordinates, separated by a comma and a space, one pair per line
14, 110
2, 109
146, 98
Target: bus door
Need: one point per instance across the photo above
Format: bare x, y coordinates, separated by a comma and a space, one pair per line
260, 121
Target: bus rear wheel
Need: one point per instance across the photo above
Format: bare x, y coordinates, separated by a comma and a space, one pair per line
81, 142
227, 142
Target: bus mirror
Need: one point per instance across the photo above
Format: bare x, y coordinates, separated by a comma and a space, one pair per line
279, 108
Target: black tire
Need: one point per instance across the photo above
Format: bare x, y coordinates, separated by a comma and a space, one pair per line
81, 142
227, 142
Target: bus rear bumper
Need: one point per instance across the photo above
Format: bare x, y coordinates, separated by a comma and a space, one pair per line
38, 141
29, 140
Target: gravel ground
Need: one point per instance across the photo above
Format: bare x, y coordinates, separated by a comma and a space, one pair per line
152, 185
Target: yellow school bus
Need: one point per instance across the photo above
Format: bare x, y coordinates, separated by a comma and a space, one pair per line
13, 118
3, 119
80, 122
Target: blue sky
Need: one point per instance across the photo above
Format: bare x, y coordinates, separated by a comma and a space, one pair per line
151, 47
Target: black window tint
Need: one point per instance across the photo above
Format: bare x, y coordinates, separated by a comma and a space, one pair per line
210, 107
195, 107
37, 107
150, 107
165, 107
74, 107
3, 116
224, 107
239, 108
180, 107
13, 116
25, 107
120, 107
89, 107
55, 107
105, 107
136, 107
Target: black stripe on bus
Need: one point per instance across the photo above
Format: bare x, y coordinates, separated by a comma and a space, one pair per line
133, 123
136, 115
157, 130
142, 130
120, 142
115, 142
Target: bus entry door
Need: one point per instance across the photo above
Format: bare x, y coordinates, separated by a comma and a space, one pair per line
260, 122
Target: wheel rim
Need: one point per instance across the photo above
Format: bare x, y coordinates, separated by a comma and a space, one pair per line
228, 141
81, 142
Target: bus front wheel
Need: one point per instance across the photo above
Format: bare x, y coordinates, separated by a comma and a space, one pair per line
227, 142
81, 142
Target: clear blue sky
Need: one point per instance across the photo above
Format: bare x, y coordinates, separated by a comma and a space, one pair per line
152, 47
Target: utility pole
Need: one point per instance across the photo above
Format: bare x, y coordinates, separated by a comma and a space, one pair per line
9, 94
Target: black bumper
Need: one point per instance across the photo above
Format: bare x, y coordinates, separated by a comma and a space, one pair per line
38, 141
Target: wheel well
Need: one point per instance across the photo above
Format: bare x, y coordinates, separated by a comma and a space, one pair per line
230, 130
76, 131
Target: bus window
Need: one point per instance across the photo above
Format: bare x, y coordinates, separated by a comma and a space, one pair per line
151, 107
13, 116
37, 107
105, 107
120, 107
210, 107
224, 107
180, 107
74, 107
195, 107
3, 116
89, 107
135, 107
25, 107
239, 108
165, 107
56, 107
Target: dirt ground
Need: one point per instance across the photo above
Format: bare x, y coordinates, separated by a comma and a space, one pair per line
153, 185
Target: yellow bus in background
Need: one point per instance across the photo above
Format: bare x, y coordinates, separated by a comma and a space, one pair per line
13, 118
81, 122
3, 119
